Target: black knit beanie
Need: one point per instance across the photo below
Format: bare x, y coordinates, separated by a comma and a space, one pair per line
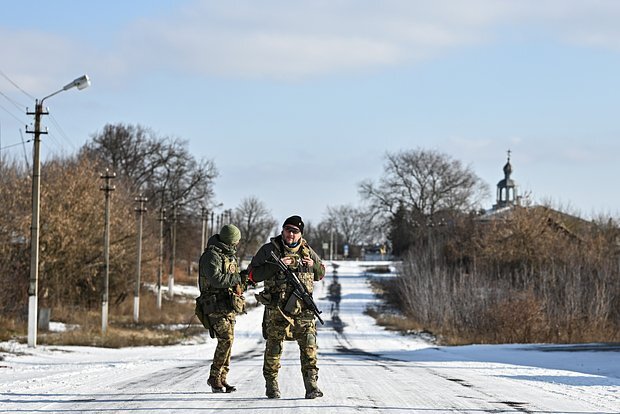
295, 221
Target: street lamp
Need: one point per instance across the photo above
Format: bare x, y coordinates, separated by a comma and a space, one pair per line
80, 83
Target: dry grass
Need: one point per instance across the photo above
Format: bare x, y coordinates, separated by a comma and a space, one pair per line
183, 278
393, 322
171, 324
388, 316
115, 337
10, 328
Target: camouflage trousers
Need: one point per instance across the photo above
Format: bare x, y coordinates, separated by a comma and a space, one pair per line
224, 326
277, 329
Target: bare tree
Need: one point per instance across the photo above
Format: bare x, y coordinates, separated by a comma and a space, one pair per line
163, 170
256, 224
424, 181
319, 236
133, 152
71, 236
353, 223
15, 220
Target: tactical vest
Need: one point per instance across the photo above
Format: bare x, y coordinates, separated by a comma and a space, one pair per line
279, 291
220, 299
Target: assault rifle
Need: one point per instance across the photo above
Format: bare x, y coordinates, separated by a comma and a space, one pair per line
299, 289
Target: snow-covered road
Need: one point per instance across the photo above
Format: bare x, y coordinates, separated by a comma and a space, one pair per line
363, 368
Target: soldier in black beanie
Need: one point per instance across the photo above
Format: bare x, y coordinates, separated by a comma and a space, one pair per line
295, 221
286, 317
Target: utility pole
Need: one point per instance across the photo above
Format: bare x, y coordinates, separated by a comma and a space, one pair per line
136, 293
33, 301
212, 223
160, 268
204, 215
174, 248
106, 188
34, 228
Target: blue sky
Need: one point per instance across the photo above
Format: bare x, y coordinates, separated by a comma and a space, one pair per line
298, 102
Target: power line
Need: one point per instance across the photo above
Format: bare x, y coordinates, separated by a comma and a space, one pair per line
15, 103
16, 85
12, 115
23, 144
14, 145
62, 132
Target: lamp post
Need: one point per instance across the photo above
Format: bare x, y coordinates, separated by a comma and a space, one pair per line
80, 83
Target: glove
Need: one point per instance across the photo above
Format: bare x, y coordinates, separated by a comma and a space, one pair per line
244, 276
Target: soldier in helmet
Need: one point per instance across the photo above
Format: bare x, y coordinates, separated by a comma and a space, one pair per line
222, 285
286, 317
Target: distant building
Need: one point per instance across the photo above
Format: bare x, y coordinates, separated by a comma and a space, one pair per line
508, 202
507, 190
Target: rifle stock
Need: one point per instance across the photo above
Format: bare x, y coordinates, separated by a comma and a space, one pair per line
299, 289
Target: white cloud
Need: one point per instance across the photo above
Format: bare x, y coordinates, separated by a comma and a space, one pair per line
296, 39
576, 22
284, 39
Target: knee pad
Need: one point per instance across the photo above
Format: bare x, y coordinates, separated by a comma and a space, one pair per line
273, 348
310, 339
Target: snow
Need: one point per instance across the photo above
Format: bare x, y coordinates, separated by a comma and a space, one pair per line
363, 368
61, 327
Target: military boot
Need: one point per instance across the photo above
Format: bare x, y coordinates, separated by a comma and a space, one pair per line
229, 388
215, 383
272, 390
312, 389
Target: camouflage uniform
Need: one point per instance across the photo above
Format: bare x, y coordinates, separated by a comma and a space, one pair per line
220, 281
287, 318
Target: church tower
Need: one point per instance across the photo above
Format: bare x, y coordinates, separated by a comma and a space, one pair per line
507, 189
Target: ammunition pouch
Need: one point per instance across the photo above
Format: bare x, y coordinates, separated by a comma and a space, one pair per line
201, 311
212, 304
293, 305
237, 302
222, 300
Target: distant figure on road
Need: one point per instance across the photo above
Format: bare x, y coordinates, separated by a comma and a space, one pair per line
335, 293
221, 288
286, 317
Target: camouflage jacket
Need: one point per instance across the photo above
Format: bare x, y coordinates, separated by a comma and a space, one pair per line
278, 290
218, 267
